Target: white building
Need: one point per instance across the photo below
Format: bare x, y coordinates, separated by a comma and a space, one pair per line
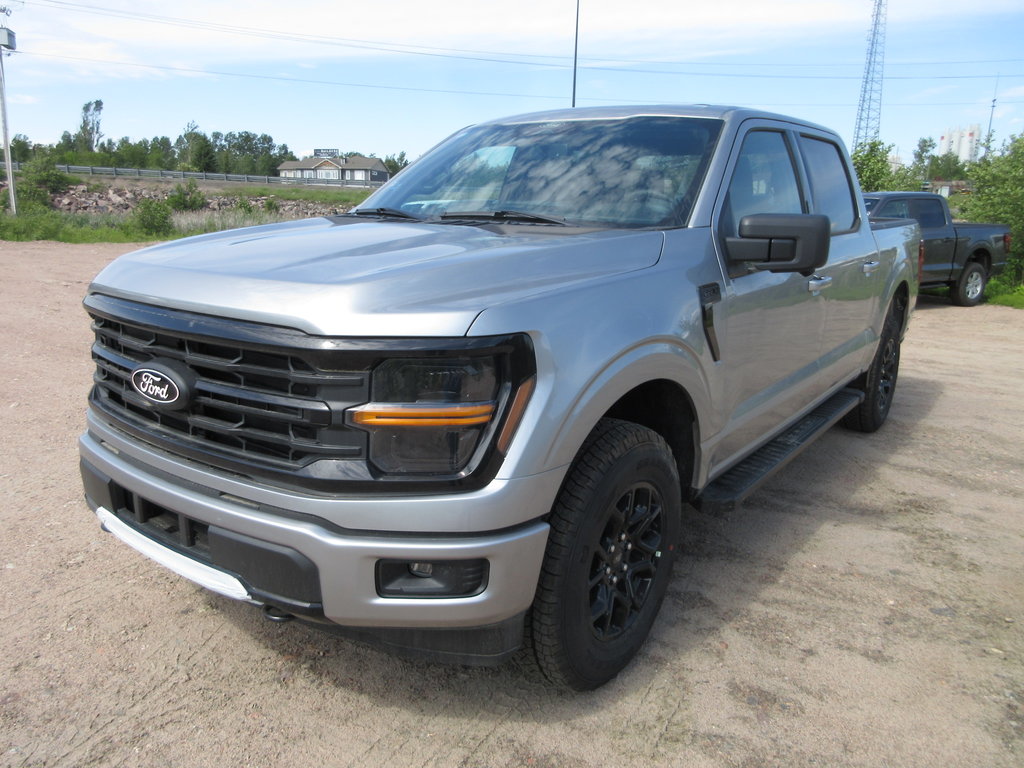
962, 142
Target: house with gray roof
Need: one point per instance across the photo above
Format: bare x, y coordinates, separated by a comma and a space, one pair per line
364, 171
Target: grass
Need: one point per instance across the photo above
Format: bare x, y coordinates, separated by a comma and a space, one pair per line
328, 195
1011, 298
45, 224
201, 222
35, 222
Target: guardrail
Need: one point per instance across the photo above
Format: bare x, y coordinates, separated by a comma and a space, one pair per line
145, 173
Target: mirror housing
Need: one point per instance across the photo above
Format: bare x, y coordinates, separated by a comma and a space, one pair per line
781, 242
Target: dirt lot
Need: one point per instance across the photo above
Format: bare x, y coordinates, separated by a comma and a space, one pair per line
865, 609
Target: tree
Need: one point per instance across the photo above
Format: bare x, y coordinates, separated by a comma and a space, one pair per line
395, 163
946, 167
89, 134
997, 195
871, 161
925, 148
131, 154
161, 154
21, 148
195, 150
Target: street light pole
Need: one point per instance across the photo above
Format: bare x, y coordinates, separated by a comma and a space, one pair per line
7, 42
575, 53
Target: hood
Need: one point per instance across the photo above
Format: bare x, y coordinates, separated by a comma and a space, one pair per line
350, 277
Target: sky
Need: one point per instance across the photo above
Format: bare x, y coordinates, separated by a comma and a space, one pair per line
400, 75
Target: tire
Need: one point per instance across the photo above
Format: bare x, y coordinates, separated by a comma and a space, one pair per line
969, 290
879, 383
614, 532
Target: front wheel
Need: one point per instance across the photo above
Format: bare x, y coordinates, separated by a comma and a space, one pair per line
970, 288
614, 532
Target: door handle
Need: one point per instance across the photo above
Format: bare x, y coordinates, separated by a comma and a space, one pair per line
870, 266
817, 283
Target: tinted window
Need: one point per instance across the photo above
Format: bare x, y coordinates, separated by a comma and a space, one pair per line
635, 172
763, 180
893, 209
928, 212
830, 184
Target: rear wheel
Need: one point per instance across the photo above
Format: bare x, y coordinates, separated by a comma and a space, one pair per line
970, 288
614, 530
879, 383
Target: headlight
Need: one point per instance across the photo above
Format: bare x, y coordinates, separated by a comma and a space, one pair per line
440, 415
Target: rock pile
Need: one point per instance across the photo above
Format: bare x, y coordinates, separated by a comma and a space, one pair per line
123, 200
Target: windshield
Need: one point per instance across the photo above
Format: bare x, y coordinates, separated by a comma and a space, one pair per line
635, 172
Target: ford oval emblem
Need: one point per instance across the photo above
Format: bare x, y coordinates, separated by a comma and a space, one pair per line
160, 385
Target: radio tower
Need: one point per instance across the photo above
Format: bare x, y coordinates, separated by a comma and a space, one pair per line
869, 110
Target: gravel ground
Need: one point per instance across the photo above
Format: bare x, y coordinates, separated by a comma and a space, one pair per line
864, 609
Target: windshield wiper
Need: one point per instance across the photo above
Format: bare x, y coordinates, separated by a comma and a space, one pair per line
505, 216
396, 213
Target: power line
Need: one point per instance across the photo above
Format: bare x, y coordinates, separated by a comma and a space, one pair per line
538, 60
344, 84
281, 78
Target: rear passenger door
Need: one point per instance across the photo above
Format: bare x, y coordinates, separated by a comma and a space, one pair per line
771, 333
939, 238
853, 278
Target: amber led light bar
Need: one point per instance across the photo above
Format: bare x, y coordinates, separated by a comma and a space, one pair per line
440, 415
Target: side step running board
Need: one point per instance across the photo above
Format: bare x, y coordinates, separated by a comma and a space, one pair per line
728, 491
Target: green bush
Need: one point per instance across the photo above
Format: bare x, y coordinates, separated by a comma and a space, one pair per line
187, 197
41, 173
270, 205
153, 217
31, 197
244, 204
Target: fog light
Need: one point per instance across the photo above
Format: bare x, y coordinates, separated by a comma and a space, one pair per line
437, 578
421, 570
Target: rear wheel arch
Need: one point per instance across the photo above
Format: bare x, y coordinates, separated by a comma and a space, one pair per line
900, 304
982, 257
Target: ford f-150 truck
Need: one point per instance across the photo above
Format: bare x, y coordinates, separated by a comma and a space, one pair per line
476, 404
956, 254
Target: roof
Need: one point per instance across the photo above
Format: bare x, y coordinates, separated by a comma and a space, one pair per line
709, 111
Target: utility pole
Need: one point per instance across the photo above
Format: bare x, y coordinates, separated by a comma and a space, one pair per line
575, 53
869, 110
991, 114
7, 43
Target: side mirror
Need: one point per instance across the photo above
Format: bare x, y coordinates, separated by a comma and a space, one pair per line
781, 242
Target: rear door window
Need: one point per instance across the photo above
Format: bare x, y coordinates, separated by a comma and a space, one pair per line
929, 212
831, 188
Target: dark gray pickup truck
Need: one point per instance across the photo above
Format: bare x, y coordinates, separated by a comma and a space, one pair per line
961, 255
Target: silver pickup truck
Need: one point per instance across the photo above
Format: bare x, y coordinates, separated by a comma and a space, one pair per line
476, 405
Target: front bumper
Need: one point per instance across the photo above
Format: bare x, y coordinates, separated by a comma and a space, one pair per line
343, 562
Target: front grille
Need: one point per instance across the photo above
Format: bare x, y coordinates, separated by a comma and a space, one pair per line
255, 404
268, 402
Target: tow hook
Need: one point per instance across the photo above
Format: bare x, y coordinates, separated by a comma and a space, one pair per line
275, 614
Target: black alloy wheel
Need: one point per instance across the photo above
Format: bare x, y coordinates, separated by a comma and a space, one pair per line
626, 561
614, 532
